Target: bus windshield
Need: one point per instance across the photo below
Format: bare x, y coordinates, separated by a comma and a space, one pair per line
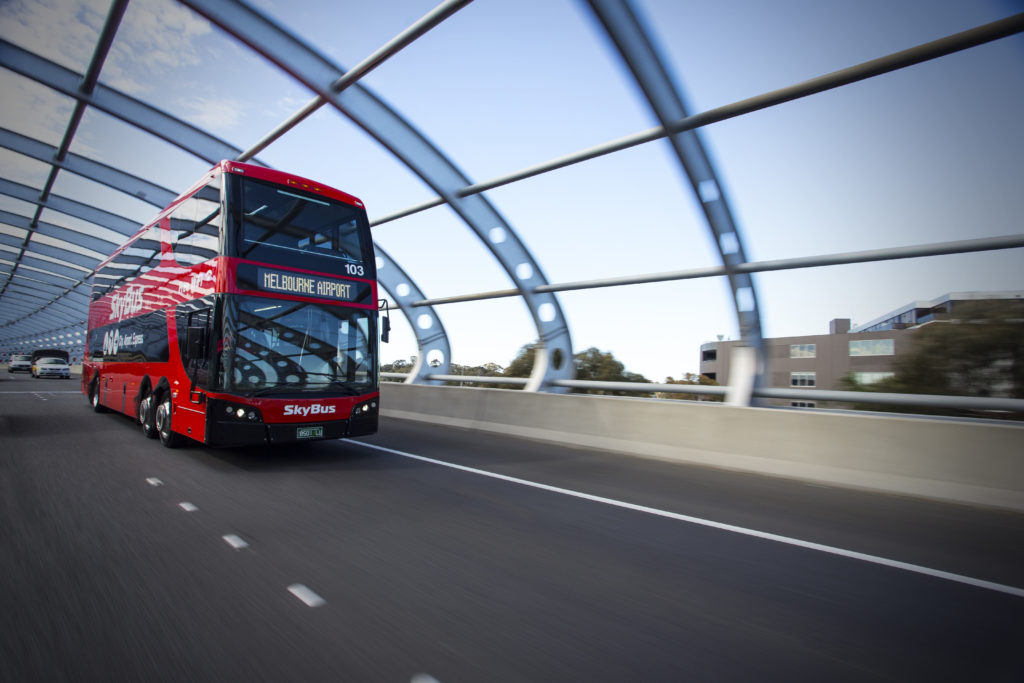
280, 225
274, 346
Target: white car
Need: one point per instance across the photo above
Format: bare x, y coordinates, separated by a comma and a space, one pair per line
51, 367
20, 362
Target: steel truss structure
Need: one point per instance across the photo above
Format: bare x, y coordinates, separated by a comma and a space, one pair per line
44, 289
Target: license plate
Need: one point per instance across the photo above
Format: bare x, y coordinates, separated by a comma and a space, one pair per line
308, 432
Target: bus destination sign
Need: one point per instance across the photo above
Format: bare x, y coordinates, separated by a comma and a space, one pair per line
262, 279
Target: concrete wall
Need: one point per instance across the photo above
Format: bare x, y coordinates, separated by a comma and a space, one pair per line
966, 462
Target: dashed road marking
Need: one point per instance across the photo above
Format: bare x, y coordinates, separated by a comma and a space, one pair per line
306, 595
187, 507
235, 542
153, 481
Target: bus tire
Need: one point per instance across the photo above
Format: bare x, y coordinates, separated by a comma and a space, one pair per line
162, 419
146, 415
94, 397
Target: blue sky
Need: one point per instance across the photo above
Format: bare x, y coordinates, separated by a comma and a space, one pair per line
927, 154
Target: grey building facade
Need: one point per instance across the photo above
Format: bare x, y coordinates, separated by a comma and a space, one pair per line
868, 351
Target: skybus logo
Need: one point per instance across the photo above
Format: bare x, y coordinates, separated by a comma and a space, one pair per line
114, 340
125, 304
315, 409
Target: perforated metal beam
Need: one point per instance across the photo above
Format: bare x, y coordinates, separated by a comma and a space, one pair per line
554, 357
430, 333
637, 49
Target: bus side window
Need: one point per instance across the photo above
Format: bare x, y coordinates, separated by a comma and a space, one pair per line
195, 226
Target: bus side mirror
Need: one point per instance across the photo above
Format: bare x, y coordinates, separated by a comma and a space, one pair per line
195, 342
385, 322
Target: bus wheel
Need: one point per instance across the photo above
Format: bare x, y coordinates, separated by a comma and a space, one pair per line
162, 419
94, 398
146, 416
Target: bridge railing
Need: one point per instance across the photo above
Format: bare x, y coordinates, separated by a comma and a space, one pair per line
980, 404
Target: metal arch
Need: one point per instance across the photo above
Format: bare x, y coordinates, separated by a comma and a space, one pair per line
50, 289
69, 206
79, 239
72, 257
29, 259
47, 276
423, 158
57, 317
130, 110
431, 335
54, 317
139, 188
636, 47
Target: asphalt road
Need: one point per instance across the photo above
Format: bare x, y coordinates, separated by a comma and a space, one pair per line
430, 553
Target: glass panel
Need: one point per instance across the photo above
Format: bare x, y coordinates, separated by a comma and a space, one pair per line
872, 347
278, 223
195, 226
802, 379
297, 347
802, 350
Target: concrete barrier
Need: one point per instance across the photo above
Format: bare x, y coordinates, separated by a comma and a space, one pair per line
977, 463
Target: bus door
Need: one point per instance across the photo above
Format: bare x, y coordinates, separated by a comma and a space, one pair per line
196, 359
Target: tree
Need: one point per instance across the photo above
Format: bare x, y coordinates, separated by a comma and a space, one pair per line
692, 379
592, 364
470, 371
977, 350
401, 366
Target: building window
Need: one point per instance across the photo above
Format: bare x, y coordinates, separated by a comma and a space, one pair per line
803, 404
803, 350
802, 379
871, 377
709, 355
872, 347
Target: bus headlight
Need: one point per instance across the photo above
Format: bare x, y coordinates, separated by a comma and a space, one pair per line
233, 411
365, 409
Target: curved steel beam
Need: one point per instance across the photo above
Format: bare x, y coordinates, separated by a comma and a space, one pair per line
65, 317
70, 207
635, 45
75, 237
431, 337
51, 267
424, 159
46, 276
140, 188
130, 110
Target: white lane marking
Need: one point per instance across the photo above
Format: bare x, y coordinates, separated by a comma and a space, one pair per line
153, 481
39, 397
842, 552
4, 393
235, 542
187, 507
423, 678
306, 595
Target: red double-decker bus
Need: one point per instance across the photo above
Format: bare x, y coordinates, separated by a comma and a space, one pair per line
245, 313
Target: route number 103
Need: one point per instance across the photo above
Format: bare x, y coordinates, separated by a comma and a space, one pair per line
353, 269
